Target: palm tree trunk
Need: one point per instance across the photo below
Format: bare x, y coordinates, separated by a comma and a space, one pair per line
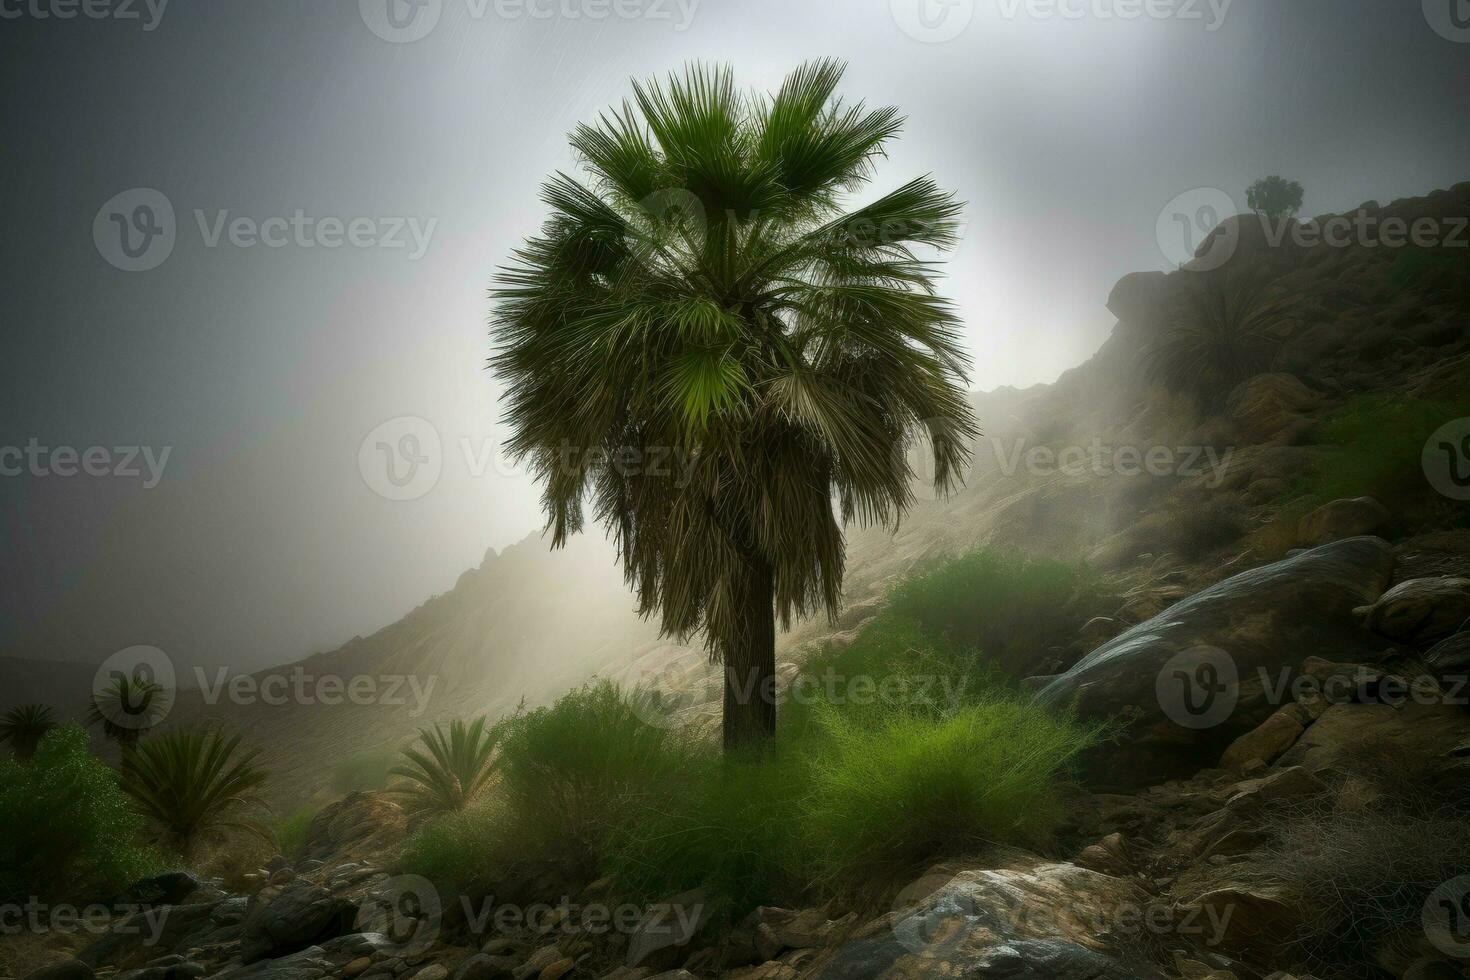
750, 664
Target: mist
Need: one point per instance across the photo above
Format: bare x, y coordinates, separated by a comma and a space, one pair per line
270, 364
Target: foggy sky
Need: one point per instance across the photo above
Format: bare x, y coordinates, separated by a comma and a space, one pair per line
262, 369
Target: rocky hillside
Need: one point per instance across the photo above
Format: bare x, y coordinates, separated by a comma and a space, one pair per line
1063, 470
1284, 674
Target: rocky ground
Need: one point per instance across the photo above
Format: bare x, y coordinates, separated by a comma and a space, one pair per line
1177, 879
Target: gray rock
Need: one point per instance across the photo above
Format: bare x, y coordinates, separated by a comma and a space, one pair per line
1449, 660
1422, 610
668, 924
1152, 678
301, 915
483, 966
65, 970
1034, 921
306, 964
169, 888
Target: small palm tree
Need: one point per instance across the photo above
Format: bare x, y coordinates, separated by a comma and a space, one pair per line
1222, 332
728, 361
452, 769
24, 727
128, 707
194, 784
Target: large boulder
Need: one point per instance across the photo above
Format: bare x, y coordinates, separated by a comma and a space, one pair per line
1342, 519
291, 919
1036, 921
1268, 405
358, 827
1449, 659
1186, 683
1421, 610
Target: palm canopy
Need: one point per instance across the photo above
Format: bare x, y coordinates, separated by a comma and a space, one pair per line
706, 345
453, 768
194, 783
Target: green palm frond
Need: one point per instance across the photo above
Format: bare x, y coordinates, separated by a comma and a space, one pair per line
451, 769
704, 293
24, 727
194, 784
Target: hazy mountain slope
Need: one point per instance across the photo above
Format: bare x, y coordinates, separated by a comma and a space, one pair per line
531, 623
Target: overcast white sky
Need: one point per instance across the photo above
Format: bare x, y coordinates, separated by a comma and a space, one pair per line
263, 369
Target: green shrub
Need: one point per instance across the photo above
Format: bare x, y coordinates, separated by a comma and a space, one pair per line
862, 785
570, 774
364, 771
1373, 446
888, 798
290, 831
730, 826
70, 832
1011, 608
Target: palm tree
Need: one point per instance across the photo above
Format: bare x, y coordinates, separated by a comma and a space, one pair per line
24, 727
194, 784
453, 771
729, 363
1223, 331
128, 707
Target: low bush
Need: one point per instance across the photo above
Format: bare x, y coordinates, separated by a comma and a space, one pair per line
70, 832
569, 775
886, 798
1010, 608
290, 831
1373, 446
928, 758
731, 826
